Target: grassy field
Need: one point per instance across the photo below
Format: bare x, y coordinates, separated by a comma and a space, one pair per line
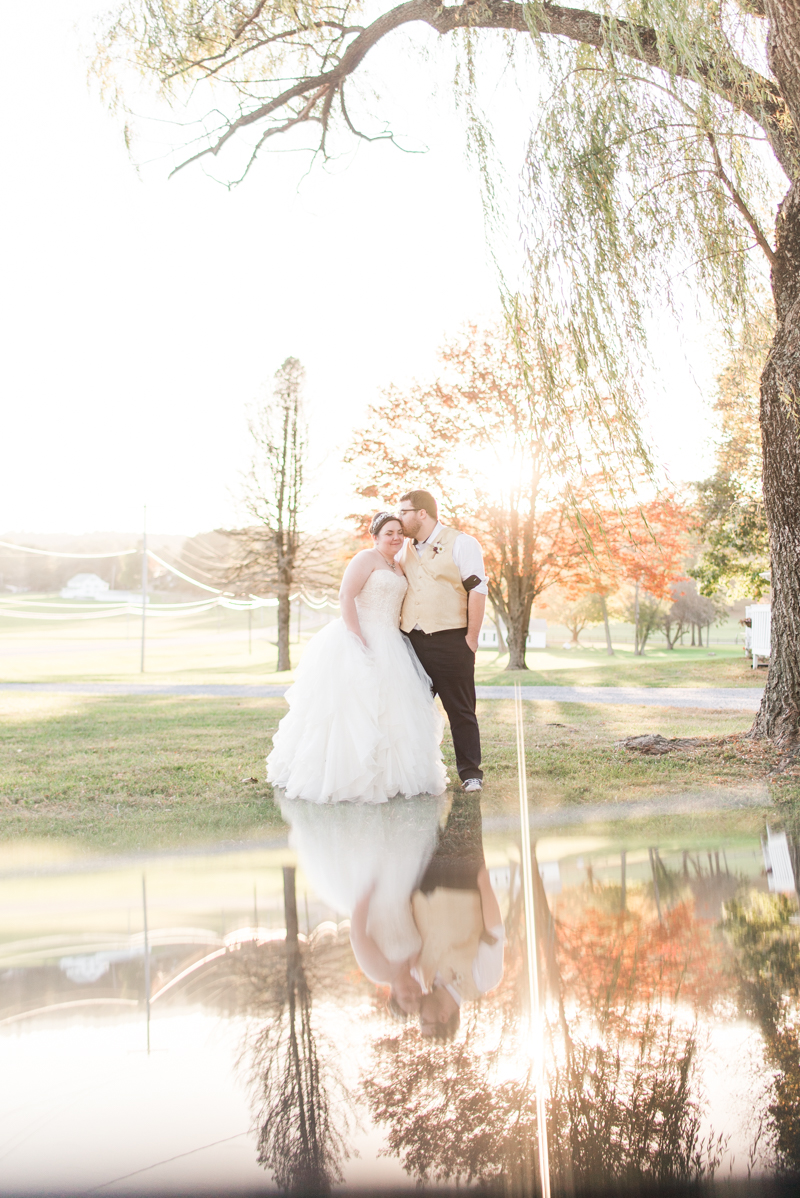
222, 647
725, 666
123, 773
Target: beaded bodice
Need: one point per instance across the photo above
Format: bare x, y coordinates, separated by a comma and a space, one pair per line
381, 598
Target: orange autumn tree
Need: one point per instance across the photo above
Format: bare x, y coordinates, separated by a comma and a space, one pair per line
484, 438
643, 546
650, 555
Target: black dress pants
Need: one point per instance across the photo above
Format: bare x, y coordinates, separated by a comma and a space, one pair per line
459, 853
450, 664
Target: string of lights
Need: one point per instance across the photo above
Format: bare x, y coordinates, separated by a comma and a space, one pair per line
16, 608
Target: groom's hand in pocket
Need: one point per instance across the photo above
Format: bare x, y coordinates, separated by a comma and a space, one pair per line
472, 641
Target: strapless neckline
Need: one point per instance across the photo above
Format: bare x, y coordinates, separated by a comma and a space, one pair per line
379, 600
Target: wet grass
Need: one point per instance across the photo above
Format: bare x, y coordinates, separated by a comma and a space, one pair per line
128, 773
574, 756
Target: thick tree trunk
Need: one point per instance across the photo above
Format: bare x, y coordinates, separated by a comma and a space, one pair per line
779, 716
609, 646
284, 617
517, 615
517, 636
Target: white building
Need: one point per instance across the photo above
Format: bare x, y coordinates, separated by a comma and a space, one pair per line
537, 635
758, 636
86, 586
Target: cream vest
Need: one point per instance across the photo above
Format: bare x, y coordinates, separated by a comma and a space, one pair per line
435, 598
450, 923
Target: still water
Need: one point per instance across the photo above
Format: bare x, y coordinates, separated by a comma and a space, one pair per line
622, 1015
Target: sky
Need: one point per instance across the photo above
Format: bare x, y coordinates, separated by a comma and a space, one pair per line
141, 315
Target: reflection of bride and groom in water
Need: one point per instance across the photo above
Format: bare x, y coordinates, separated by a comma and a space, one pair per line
424, 919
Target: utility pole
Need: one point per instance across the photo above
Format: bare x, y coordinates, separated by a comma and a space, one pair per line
146, 963
144, 582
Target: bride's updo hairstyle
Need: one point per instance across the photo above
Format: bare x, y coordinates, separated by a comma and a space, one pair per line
378, 521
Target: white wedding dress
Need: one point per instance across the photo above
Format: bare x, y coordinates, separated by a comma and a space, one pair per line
362, 725
345, 850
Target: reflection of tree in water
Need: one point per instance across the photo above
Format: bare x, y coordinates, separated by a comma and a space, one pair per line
622, 1107
768, 965
300, 1102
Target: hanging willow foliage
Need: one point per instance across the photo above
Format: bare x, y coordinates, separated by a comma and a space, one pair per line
645, 168
638, 182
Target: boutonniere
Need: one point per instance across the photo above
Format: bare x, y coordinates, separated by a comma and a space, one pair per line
438, 549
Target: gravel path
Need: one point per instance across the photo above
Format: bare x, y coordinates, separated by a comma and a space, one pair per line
719, 698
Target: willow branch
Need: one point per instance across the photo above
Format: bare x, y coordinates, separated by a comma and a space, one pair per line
751, 93
739, 202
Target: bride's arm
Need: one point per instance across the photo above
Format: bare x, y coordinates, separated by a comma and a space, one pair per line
370, 958
355, 576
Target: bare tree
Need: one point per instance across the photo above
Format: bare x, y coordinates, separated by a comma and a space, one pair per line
690, 610
267, 555
301, 1107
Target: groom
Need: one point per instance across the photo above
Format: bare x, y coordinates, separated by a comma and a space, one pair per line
442, 616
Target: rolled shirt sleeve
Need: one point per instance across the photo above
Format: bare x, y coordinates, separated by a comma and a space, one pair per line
468, 557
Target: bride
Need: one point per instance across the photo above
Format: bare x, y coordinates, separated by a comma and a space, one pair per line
362, 725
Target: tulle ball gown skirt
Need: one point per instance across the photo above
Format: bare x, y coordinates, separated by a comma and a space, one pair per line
362, 726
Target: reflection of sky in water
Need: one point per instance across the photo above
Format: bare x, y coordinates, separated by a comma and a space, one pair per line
251, 1041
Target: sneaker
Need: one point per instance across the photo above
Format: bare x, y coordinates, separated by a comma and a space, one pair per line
471, 785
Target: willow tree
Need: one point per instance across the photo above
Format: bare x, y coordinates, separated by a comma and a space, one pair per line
667, 131
735, 558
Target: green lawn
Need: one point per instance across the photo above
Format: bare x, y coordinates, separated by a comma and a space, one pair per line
219, 647
722, 666
124, 773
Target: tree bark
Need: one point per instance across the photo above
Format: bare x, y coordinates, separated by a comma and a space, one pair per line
779, 716
517, 636
604, 607
284, 617
516, 609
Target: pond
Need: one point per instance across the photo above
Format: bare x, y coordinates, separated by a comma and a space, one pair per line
319, 1013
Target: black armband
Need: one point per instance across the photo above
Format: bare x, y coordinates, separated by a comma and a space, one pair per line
470, 583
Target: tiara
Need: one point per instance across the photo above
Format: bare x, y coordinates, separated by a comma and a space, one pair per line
378, 520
